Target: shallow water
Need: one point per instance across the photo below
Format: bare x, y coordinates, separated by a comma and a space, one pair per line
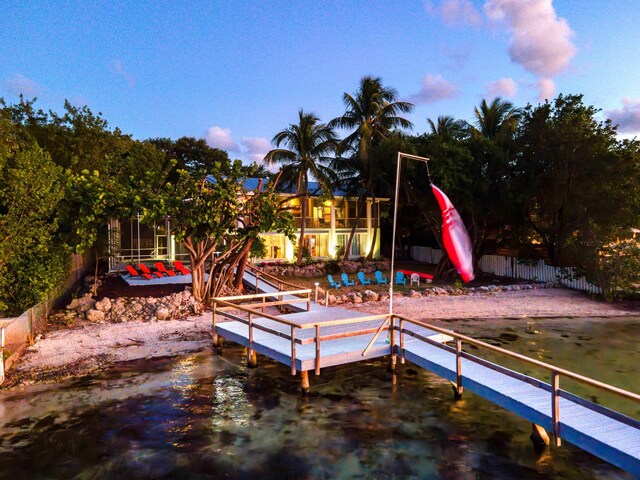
208, 416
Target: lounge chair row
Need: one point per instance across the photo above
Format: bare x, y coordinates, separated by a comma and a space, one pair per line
379, 278
159, 272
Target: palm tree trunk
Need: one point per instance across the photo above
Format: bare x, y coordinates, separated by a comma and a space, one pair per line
302, 226
375, 232
353, 229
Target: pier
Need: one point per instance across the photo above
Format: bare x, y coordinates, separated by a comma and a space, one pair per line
314, 337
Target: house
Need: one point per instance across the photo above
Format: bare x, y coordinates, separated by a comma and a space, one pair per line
327, 229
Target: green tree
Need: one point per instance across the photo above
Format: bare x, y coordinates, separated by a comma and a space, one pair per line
497, 120
582, 184
31, 188
372, 113
310, 146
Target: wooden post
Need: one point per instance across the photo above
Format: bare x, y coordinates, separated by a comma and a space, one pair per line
317, 349
257, 274
539, 436
392, 342
1, 355
458, 387
214, 320
308, 301
401, 326
264, 304
252, 359
304, 382
293, 350
555, 407
316, 293
31, 335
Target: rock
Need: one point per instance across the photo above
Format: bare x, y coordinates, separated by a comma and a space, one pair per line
483, 289
162, 313
75, 303
136, 308
103, 305
86, 305
370, 296
95, 315
414, 294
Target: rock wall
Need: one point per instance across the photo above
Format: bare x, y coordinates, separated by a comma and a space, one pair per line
319, 269
371, 296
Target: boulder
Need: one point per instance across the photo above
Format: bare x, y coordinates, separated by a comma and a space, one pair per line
162, 313
414, 294
95, 315
370, 296
104, 305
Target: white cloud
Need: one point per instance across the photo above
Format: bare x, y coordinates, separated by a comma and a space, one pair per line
455, 12
628, 117
255, 148
503, 87
221, 138
19, 84
116, 67
546, 89
540, 41
434, 88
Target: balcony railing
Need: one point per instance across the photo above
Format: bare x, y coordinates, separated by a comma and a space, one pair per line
340, 222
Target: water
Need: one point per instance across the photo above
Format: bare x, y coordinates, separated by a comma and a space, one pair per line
208, 416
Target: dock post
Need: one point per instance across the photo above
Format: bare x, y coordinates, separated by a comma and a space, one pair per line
539, 436
555, 408
304, 382
457, 388
252, 358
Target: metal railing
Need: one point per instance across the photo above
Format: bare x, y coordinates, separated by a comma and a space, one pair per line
294, 327
556, 372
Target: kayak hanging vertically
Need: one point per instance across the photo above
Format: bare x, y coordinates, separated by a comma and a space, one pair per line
455, 236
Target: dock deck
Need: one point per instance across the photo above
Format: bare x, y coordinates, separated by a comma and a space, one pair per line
316, 337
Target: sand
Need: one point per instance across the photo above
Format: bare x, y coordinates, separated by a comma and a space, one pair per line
90, 347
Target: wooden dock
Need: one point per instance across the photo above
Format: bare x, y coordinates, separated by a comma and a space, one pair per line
317, 337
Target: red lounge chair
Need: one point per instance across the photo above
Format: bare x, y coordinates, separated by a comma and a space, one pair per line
162, 269
144, 269
181, 268
134, 273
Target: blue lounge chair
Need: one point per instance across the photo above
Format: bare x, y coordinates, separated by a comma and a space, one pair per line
400, 279
363, 281
346, 281
379, 278
332, 283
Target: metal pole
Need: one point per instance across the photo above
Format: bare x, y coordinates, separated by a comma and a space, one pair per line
395, 221
393, 238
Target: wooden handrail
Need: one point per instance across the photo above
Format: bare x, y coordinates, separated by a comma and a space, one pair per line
273, 277
547, 366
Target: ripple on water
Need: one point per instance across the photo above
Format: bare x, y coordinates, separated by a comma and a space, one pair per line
209, 416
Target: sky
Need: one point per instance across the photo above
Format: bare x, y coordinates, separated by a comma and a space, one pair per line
236, 72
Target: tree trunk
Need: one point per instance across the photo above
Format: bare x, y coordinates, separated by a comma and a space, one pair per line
302, 227
242, 264
375, 233
347, 248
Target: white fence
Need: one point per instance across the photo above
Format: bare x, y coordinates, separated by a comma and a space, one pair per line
513, 267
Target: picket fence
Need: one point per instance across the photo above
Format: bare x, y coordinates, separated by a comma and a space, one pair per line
535, 270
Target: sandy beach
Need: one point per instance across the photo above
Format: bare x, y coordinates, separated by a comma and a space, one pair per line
90, 347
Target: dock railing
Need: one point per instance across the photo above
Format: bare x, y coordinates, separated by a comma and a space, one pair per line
251, 310
272, 280
556, 372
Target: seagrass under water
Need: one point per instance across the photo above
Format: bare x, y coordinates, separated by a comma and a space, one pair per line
206, 416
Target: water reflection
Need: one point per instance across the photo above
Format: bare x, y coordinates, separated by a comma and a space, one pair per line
207, 416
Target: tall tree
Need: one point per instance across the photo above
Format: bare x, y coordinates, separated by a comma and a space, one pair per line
372, 113
497, 120
582, 183
311, 145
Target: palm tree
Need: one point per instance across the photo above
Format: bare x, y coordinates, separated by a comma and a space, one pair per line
372, 113
309, 145
448, 127
497, 120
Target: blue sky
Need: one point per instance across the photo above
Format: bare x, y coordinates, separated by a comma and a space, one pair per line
236, 72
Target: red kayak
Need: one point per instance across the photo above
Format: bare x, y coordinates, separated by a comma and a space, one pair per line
455, 236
